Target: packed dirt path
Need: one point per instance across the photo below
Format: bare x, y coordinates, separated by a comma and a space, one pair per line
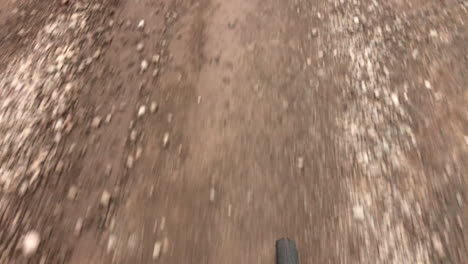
186, 131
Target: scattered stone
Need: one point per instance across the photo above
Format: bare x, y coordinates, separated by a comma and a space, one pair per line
356, 20
199, 101
212, 194
320, 54
31, 243
165, 245
166, 140
157, 250
433, 33
427, 84
96, 122
140, 46
59, 125
138, 153
143, 66
130, 161
358, 212
108, 169
395, 99
96, 54
133, 135
438, 247
72, 193
105, 199
153, 107
141, 111
78, 226
309, 61
156, 58
111, 243
141, 24
169, 117
108, 118
314, 32
459, 199
377, 93
300, 163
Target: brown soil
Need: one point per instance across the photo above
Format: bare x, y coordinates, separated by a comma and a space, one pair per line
339, 124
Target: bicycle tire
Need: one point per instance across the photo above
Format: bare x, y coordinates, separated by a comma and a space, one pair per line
286, 252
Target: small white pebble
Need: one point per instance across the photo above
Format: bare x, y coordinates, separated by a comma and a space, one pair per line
212, 194
166, 140
111, 243
141, 24
143, 66
427, 84
356, 20
105, 198
395, 99
140, 46
141, 111
300, 163
358, 212
433, 33
31, 243
157, 250
153, 107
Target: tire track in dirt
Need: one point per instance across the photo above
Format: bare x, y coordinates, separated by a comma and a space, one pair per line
236, 100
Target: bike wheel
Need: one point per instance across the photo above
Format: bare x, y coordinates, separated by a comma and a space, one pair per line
286, 252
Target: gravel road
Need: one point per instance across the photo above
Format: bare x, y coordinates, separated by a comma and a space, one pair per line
200, 131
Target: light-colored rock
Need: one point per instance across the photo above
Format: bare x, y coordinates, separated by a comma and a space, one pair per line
133, 135
72, 193
105, 199
140, 46
395, 99
156, 58
138, 153
111, 243
130, 161
157, 250
212, 194
108, 118
427, 84
358, 212
141, 24
143, 66
166, 140
96, 122
78, 226
141, 111
438, 247
300, 163
31, 242
153, 107
314, 32
356, 20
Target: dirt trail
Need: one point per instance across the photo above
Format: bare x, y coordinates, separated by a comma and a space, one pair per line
202, 131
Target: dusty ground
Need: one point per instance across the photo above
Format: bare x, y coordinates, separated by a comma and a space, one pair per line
186, 131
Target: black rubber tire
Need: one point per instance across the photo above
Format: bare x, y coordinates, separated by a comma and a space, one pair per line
286, 252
